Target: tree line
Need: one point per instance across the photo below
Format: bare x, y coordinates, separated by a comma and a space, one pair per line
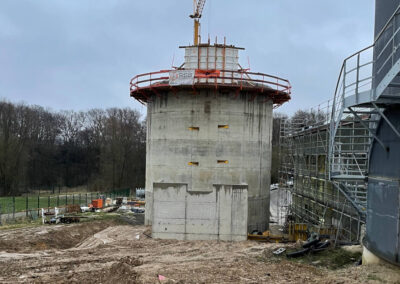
299, 120
102, 149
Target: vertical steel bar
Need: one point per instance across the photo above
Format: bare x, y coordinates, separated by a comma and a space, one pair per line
13, 199
357, 76
344, 80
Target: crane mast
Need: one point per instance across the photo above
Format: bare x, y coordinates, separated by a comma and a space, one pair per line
198, 6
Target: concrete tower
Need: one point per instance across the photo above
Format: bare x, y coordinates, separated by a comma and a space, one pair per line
208, 162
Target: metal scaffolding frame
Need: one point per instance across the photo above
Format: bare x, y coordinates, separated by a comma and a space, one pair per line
325, 156
305, 173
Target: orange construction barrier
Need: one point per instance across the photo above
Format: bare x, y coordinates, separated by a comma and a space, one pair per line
207, 73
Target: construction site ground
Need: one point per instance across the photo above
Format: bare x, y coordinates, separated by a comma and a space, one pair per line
121, 250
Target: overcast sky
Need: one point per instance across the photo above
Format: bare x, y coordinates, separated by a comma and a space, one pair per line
81, 54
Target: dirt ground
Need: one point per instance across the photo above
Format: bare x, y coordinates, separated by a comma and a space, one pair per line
115, 252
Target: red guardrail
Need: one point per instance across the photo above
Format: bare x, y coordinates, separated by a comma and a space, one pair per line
241, 79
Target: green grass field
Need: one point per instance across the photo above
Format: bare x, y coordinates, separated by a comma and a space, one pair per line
33, 202
23, 203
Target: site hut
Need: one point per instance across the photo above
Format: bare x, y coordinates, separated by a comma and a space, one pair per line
208, 158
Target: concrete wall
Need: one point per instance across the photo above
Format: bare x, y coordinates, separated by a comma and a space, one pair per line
184, 215
245, 143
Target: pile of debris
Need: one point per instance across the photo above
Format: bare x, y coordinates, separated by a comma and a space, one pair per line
313, 245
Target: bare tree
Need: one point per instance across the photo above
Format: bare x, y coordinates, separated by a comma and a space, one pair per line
102, 149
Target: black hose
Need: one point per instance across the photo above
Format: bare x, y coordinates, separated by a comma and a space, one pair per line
310, 243
298, 253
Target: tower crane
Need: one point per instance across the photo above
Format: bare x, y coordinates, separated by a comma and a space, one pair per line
198, 6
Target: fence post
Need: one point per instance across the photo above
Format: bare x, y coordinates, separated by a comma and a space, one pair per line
86, 200
13, 199
27, 206
48, 203
58, 200
73, 198
38, 204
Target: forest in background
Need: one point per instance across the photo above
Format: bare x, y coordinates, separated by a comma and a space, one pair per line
99, 149
39, 148
300, 118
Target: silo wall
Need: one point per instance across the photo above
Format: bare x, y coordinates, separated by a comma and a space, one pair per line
384, 9
383, 204
208, 164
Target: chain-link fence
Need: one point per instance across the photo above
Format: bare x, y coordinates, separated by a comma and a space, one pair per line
29, 205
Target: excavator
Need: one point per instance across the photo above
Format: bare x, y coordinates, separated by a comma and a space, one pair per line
198, 6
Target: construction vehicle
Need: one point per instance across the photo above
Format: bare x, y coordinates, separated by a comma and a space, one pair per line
197, 12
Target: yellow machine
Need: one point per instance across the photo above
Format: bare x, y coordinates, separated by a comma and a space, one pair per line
197, 11
296, 231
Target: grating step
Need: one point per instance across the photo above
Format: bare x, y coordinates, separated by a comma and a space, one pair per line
361, 112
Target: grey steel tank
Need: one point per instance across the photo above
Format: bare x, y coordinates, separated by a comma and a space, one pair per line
383, 205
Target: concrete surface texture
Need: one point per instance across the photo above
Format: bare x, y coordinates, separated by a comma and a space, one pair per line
217, 215
196, 141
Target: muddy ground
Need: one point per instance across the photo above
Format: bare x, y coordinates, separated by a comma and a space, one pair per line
114, 251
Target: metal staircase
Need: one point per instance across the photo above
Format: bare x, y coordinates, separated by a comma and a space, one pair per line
369, 80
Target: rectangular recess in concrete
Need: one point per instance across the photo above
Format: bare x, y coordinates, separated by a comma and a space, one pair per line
217, 215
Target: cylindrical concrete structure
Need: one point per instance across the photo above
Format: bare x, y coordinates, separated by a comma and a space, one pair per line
208, 163
208, 139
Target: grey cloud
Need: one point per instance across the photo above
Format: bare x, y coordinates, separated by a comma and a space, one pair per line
80, 54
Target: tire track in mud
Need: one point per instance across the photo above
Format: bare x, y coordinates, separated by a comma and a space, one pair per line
97, 239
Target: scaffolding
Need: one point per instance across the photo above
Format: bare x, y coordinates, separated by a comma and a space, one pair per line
325, 152
305, 174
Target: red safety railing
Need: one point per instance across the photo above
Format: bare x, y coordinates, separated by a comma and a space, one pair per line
241, 79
